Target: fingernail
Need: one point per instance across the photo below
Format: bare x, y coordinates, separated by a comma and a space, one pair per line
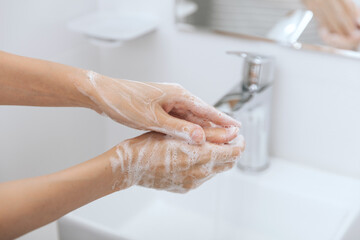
239, 141
242, 142
238, 124
232, 130
198, 136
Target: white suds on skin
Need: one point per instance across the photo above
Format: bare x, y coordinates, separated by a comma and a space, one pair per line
92, 76
115, 163
157, 164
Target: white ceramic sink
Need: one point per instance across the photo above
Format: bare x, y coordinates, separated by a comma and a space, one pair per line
285, 202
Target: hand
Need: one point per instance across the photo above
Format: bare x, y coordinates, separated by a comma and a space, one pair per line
161, 107
158, 161
338, 16
340, 41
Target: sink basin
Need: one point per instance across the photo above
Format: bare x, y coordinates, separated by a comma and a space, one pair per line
287, 201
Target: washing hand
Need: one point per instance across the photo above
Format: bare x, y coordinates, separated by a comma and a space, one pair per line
158, 161
340, 41
160, 107
338, 18
152, 160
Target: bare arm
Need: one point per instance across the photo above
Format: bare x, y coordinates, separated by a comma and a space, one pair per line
31, 203
151, 160
168, 108
161, 107
339, 22
338, 16
32, 82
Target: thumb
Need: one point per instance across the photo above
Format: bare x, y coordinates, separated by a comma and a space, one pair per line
180, 128
221, 135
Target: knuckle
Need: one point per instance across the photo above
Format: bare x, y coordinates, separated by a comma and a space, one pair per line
202, 174
229, 166
236, 151
178, 86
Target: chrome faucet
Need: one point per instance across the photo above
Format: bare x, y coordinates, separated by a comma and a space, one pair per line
249, 102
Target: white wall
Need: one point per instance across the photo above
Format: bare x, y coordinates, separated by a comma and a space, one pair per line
316, 98
315, 118
36, 141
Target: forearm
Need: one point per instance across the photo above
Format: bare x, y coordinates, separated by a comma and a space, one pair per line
31, 203
32, 82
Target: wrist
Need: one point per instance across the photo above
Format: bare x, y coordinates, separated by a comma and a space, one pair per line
85, 83
99, 175
96, 87
124, 173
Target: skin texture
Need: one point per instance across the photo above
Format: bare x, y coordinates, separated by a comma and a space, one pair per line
162, 107
340, 41
160, 159
31, 82
339, 20
147, 160
31, 203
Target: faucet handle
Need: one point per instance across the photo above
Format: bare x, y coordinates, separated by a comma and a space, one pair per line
258, 70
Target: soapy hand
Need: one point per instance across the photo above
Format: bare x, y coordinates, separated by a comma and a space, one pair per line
340, 17
340, 41
158, 161
161, 107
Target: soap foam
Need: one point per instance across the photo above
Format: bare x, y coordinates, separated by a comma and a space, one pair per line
167, 163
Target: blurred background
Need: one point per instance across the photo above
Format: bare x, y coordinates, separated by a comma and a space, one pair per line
315, 117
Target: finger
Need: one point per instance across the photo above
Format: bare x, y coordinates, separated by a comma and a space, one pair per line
325, 36
325, 15
319, 14
329, 20
345, 18
350, 8
203, 110
339, 41
331, 15
221, 135
200, 121
223, 167
192, 182
180, 128
201, 181
198, 173
188, 116
214, 154
206, 170
342, 17
188, 182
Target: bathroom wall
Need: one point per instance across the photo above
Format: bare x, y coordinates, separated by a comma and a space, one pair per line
35, 141
315, 116
315, 120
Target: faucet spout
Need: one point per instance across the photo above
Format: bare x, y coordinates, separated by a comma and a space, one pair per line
250, 103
